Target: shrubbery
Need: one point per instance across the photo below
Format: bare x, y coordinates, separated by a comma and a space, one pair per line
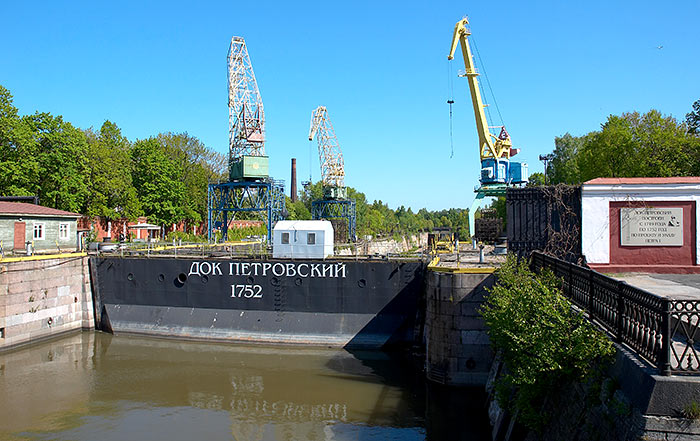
543, 342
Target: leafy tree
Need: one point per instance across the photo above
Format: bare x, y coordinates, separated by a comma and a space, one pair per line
692, 119
199, 166
157, 177
297, 210
628, 145
564, 168
111, 193
535, 180
543, 342
58, 168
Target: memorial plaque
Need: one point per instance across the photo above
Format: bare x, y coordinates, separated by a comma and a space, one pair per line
649, 226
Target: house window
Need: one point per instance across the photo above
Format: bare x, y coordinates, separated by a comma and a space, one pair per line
285, 238
39, 231
311, 239
63, 231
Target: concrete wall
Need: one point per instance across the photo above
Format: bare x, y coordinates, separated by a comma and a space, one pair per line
595, 228
458, 351
42, 298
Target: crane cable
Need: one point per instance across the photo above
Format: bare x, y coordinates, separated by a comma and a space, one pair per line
476, 48
450, 101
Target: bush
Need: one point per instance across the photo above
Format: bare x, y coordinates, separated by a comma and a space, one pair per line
185, 237
543, 342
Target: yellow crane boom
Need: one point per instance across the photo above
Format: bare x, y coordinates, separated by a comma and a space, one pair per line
490, 145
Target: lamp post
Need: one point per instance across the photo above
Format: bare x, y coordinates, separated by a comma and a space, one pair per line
546, 158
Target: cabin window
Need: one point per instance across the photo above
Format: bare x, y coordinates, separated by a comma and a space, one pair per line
311, 239
285, 238
39, 231
63, 231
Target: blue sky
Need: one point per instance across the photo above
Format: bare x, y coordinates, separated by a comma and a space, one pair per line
379, 67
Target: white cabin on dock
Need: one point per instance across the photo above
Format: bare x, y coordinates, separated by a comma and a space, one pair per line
302, 239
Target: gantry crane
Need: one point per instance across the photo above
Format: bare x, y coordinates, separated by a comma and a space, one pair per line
335, 203
250, 189
246, 117
329, 154
495, 151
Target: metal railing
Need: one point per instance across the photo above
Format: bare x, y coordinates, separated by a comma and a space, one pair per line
661, 330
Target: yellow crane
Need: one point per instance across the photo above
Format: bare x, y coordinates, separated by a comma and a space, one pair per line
495, 151
491, 146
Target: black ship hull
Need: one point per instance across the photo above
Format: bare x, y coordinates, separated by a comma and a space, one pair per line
340, 303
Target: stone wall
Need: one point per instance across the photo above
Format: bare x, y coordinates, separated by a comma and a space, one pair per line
458, 351
42, 298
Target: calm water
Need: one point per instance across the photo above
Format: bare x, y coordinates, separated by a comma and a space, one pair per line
95, 386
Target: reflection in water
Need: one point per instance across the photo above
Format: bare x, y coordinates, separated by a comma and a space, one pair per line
98, 386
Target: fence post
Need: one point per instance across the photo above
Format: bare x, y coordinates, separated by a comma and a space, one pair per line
620, 310
591, 291
664, 363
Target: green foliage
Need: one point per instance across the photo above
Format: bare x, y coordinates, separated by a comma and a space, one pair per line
535, 180
378, 220
184, 237
245, 232
691, 411
543, 341
158, 181
692, 119
297, 210
111, 193
629, 145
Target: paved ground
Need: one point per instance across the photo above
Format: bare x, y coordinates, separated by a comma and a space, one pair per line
679, 286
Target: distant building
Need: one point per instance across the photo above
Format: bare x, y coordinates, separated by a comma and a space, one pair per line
47, 229
641, 224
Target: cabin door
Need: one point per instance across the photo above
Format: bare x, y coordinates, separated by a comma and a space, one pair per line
20, 231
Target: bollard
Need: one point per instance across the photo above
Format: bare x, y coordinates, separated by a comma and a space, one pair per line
481, 253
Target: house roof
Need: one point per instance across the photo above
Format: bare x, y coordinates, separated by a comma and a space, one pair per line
304, 225
143, 226
642, 181
22, 208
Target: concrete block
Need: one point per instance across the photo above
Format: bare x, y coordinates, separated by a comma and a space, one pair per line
63, 291
444, 280
473, 323
482, 354
470, 309
474, 337
469, 379
18, 308
19, 287
14, 299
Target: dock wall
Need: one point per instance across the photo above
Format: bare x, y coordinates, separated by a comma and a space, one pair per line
43, 298
458, 352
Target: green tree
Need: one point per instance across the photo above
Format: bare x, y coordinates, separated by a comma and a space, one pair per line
199, 166
111, 193
692, 119
157, 177
535, 180
564, 168
543, 342
58, 170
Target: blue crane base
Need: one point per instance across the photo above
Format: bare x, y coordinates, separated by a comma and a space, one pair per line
264, 198
336, 209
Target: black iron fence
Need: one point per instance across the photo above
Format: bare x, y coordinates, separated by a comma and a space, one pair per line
662, 330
